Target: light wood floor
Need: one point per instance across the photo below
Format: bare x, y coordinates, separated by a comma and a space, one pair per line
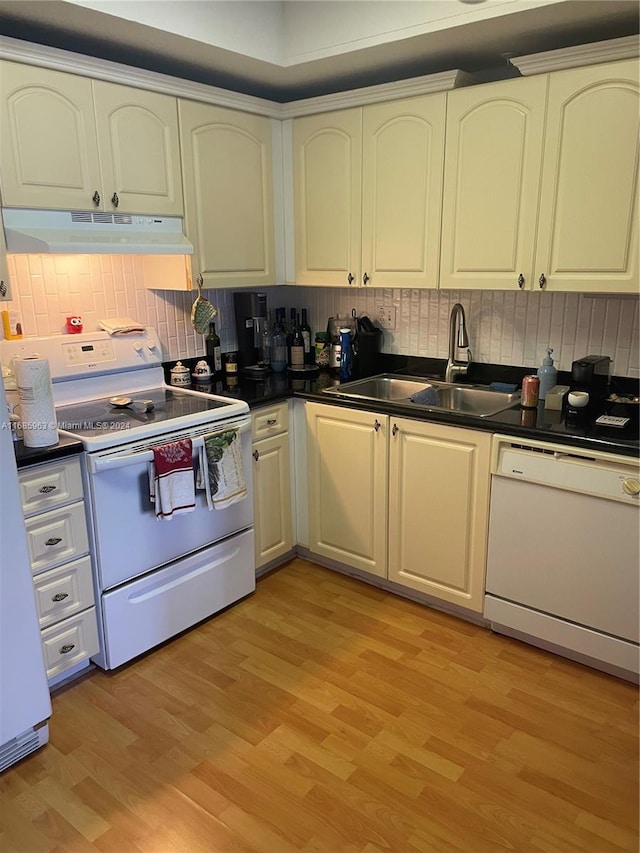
324, 715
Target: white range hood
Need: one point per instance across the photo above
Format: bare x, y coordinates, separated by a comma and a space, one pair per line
87, 233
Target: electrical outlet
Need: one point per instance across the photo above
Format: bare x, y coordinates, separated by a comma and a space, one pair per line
387, 316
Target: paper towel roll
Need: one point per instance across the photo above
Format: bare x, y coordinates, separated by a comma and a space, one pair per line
33, 379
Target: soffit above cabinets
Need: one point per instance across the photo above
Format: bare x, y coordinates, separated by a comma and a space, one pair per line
286, 51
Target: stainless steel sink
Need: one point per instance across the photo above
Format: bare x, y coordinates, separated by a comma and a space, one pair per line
385, 386
431, 395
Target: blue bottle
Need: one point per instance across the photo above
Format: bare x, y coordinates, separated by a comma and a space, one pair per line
346, 356
547, 374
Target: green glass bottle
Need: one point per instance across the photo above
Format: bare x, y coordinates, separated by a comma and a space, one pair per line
214, 354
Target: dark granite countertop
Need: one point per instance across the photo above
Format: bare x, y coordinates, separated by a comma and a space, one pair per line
33, 455
541, 424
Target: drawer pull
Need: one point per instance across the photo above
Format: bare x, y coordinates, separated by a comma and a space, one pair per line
256, 455
54, 540
68, 647
44, 490
272, 421
60, 596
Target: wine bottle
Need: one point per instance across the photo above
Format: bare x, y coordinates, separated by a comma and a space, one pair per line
214, 354
305, 330
297, 348
278, 345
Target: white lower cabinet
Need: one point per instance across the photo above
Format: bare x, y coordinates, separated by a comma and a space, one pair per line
271, 483
53, 506
439, 481
347, 461
404, 500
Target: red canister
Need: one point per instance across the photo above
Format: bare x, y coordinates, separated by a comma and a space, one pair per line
530, 391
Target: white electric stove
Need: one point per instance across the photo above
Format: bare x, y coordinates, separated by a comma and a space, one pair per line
153, 578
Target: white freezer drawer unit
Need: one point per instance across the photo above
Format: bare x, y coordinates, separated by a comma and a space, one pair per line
139, 615
564, 551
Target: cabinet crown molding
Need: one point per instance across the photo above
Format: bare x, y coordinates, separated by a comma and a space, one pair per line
611, 50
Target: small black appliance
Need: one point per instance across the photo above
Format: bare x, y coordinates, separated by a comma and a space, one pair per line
591, 373
251, 324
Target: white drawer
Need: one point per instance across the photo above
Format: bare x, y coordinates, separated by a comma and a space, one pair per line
43, 487
270, 420
70, 642
56, 537
63, 591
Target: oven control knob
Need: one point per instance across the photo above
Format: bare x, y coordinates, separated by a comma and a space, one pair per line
137, 346
151, 346
631, 486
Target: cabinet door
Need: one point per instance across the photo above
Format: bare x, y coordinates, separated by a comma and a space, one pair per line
402, 163
347, 459
588, 227
272, 498
327, 179
139, 150
439, 504
491, 184
228, 193
48, 139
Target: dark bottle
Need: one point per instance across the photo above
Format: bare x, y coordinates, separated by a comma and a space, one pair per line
289, 329
278, 345
214, 354
305, 331
297, 348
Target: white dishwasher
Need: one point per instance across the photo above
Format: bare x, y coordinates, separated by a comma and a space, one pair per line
564, 551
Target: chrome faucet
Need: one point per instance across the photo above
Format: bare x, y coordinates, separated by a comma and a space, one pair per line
458, 339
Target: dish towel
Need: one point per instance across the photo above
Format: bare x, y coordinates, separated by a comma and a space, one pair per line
171, 479
221, 470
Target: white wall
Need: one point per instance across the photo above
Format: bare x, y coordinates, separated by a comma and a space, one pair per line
504, 328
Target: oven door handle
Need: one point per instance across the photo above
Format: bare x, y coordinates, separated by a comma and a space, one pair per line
96, 464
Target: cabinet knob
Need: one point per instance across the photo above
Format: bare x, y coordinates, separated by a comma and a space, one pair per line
272, 421
256, 455
520, 281
54, 540
68, 647
60, 596
376, 425
115, 201
395, 429
542, 280
631, 486
365, 278
350, 278
96, 198
45, 490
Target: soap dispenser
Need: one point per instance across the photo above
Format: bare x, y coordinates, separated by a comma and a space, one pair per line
547, 374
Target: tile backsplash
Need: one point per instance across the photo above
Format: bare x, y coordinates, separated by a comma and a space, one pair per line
503, 327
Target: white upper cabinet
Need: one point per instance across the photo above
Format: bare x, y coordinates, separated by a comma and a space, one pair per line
327, 175
49, 142
139, 149
492, 173
368, 194
588, 218
228, 190
541, 183
72, 143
